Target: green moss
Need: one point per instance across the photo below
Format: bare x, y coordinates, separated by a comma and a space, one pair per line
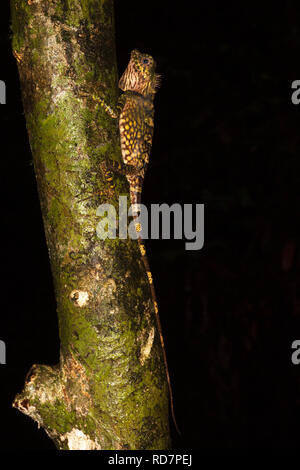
21, 14
91, 11
94, 9
55, 415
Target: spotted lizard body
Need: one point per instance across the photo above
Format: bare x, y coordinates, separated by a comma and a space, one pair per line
139, 84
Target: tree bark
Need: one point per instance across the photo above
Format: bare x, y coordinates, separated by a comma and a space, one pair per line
109, 390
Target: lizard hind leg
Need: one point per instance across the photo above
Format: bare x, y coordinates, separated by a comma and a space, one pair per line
108, 189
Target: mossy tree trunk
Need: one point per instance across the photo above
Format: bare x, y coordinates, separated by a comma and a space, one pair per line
109, 390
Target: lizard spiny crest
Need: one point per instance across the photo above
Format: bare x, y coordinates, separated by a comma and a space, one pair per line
140, 75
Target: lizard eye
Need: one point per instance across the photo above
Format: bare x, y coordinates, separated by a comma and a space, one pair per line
145, 61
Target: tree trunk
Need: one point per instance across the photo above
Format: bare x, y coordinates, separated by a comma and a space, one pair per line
109, 390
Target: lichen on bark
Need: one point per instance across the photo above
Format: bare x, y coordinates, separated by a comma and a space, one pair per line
109, 390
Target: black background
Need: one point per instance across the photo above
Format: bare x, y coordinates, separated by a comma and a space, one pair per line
226, 135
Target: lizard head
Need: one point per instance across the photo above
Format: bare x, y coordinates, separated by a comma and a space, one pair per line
140, 75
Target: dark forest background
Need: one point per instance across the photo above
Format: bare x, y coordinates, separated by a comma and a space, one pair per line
227, 135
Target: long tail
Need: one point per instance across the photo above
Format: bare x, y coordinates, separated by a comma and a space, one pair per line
153, 294
136, 199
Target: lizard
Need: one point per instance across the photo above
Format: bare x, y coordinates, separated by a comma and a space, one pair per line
135, 112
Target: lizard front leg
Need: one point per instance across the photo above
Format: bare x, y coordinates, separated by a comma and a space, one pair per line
113, 113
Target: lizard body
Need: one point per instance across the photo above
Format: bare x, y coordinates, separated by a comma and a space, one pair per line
139, 84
